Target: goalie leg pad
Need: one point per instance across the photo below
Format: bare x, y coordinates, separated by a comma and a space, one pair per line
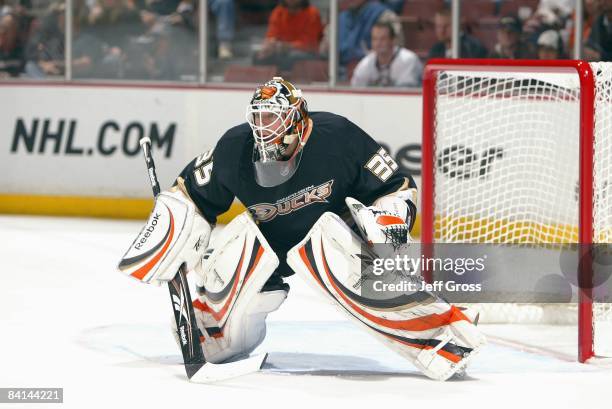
437, 337
243, 332
231, 309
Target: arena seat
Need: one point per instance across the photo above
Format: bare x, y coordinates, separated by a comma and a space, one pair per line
308, 71
424, 9
245, 73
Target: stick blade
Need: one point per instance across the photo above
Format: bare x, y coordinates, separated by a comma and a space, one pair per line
210, 372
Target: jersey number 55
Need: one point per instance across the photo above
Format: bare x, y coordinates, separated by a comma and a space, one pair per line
203, 168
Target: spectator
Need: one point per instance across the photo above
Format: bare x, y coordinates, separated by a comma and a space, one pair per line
45, 50
294, 33
11, 51
510, 43
354, 28
555, 10
114, 23
395, 6
591, 10
599, 44
168, 49
550, 15
181, 13
550, 46
159, 7
4, 8
388, 65
25, 17
166, 12
469, 47
225, 13
174, 52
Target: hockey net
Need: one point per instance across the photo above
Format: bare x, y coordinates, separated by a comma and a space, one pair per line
502, 152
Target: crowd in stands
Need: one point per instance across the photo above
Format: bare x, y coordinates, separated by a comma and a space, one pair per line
381, 42
294, 34
112, 39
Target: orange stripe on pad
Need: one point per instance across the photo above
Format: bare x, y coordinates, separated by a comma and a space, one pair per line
201, 306
215, 335
387, 220
304, 258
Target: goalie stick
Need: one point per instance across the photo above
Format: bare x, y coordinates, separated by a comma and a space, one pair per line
196, 367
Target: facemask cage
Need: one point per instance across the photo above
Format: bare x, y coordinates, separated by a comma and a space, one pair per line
277, 116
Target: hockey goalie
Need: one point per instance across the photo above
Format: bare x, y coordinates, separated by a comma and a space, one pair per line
297, 172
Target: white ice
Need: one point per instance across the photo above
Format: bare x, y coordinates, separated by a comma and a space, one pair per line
69, 319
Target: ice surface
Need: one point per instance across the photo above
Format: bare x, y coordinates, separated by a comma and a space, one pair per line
68, 319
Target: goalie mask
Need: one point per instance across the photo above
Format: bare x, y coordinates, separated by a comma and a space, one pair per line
278, 116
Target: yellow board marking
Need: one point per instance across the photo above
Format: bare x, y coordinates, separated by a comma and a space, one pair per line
79, 206
103, 207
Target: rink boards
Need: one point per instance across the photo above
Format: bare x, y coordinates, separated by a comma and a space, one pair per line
72, 149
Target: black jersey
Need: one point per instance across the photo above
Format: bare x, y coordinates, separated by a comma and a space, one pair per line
339, 159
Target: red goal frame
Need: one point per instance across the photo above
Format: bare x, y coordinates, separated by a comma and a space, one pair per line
587, 127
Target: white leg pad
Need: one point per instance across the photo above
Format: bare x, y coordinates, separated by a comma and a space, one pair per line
231, 310
436, 336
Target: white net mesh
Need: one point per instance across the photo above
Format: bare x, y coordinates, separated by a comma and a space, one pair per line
602, 203
602, 211
507, 166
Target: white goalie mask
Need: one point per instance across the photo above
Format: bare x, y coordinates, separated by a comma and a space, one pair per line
278, 117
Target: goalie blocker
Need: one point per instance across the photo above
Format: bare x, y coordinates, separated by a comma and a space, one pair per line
174, 234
